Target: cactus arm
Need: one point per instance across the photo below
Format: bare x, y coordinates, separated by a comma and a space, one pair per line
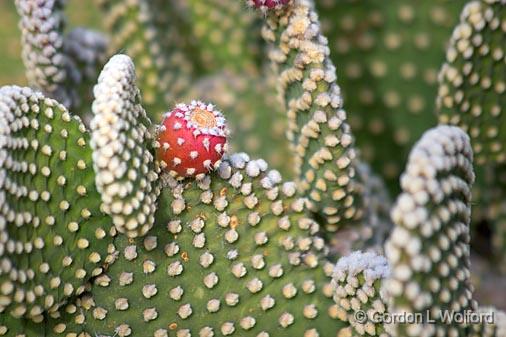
322, 143
62, 66
226, 34
122, 142
46, 64
232, 254
428, 250
54, 236
471, 82
358, 278
472, 95
164, 73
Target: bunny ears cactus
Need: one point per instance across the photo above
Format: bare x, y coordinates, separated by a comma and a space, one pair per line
428, 250
126, 172
237, 251
192, 140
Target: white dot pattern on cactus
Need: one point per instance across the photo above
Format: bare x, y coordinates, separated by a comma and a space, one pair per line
126, 172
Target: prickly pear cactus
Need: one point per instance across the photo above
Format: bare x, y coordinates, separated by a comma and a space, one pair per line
146, 223
472, 95
321, 140
232, 254
428, 249
54, 234
358, 279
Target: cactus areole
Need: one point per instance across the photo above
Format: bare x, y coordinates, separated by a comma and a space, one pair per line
192, 139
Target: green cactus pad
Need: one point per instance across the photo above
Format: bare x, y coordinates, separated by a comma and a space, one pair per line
388, 54
472, 88
53, 234
122, 143
20, 327
232, 254
358, 278
369, 234
321, 139
164, 74
428, 250
472, 95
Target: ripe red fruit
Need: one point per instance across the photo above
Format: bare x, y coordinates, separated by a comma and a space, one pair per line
192, 139
268, 4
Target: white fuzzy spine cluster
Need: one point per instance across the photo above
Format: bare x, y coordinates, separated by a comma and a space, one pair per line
357, 278
126, 172
428, 250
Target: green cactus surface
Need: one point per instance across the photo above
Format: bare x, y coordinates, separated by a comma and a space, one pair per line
358, 292
321, 139
472, 95
232, 254
122, 142
54, 235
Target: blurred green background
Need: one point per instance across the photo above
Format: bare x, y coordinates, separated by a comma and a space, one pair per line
79, 13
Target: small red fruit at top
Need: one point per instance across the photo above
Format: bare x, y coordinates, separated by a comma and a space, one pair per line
192, 139
267, 4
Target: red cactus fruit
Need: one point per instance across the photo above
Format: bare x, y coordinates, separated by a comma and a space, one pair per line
268, 4
192, 139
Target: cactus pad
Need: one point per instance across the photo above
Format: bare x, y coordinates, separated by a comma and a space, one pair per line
428, 249
358, 279
54, 236
321, 139
232, 254
122, 142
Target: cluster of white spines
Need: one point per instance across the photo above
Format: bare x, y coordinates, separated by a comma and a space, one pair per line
372, 266
42, 41
357, 278
428, 250
185, 111
126, 172
301, 55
